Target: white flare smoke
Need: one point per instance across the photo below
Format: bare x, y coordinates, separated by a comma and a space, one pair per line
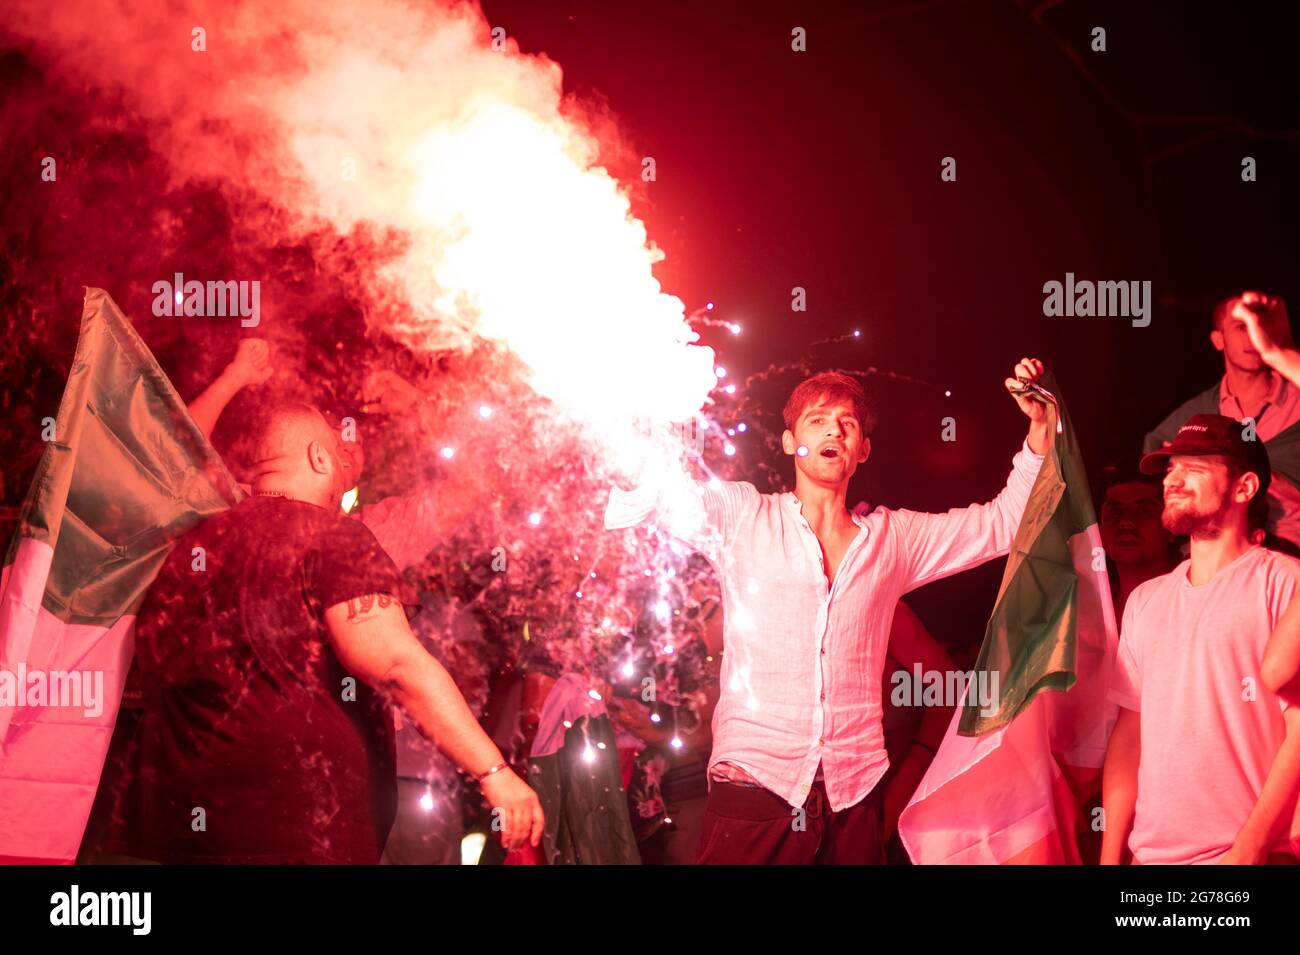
413, 118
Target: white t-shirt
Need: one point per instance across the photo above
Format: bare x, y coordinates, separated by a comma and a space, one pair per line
1189, 661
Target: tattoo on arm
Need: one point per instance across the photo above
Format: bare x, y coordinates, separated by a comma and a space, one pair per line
361, 608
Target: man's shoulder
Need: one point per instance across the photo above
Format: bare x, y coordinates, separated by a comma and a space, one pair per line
1279, 559
296, 527
271, 510
1207, 398
883, 516
739, 492
746, 488
351, 532
1279, 569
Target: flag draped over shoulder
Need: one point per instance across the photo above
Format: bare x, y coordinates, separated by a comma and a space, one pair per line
1008, 780
125, 472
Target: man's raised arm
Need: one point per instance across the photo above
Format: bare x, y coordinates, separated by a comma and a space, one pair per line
250, 366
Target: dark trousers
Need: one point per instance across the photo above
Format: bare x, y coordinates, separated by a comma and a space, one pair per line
749, 825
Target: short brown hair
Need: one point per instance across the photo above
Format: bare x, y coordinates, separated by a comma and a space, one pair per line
831, 386
1223, 310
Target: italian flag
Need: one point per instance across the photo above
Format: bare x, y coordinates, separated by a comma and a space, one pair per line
1010, 779
124, 473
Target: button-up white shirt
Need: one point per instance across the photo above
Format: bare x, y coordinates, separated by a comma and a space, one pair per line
803, 660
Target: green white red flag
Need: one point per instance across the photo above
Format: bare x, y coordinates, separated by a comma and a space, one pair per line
124, 473
1008, 782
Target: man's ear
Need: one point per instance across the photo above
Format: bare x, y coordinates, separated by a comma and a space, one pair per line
787, 442
866, 450
1248, 484
317, 458
1216, 338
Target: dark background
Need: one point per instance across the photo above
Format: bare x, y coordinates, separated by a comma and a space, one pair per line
818, 169
821, 169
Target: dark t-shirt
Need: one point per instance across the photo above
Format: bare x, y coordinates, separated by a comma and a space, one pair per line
248, 714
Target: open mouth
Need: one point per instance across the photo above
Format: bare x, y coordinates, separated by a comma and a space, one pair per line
831, 452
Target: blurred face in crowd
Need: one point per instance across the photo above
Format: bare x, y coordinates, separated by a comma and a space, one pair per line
1232, 339
1131, 530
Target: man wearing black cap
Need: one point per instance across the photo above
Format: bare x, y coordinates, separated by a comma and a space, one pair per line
1204, 762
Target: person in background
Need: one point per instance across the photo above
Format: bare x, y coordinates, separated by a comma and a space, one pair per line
250, 366
1258, 386
407, 525
1203, 764
1137, 545
1281, 668
403, 525
668, 790
430, 824
266, 685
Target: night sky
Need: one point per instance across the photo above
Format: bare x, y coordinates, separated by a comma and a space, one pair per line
822, 170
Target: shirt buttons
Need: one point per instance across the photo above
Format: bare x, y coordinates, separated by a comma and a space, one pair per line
823, 696
822, 741
803, 790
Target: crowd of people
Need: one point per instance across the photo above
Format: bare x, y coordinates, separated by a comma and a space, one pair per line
289, 708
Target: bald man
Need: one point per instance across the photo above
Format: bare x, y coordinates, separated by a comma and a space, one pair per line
267, 650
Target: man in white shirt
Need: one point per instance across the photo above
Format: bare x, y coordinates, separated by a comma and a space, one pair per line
809, 591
